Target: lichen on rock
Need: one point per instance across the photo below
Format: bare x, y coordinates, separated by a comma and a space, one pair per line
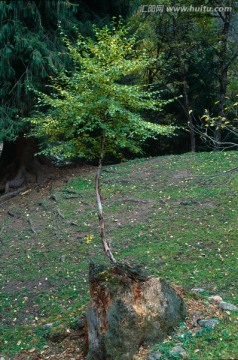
128, 309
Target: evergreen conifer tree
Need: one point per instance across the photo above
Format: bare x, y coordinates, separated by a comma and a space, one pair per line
31, 51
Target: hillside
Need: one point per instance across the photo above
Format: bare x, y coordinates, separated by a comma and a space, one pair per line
174, 215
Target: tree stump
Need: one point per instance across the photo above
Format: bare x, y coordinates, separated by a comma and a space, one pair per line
127, 310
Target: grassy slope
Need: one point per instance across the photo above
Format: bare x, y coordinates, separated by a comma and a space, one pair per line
175, 215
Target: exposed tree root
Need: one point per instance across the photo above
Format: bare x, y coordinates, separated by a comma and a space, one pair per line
20, 167
60, 214
32, 226
38, 174
66, 221
11, 194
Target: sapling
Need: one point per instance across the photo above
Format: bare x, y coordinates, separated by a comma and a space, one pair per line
94, 109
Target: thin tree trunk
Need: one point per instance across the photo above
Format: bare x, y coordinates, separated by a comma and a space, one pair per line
222, 55
183, 72
189, 116
106, 244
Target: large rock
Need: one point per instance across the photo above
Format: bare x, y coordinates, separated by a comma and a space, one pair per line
127, 310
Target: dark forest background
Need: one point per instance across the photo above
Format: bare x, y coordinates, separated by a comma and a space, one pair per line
196, 65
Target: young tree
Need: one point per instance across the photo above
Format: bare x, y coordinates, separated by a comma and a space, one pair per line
93, 110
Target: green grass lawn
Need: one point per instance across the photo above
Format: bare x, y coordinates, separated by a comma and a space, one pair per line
174, 215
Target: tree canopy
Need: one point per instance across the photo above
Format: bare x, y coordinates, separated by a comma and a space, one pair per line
95, 98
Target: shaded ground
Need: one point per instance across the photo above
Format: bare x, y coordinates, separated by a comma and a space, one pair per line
169, 214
